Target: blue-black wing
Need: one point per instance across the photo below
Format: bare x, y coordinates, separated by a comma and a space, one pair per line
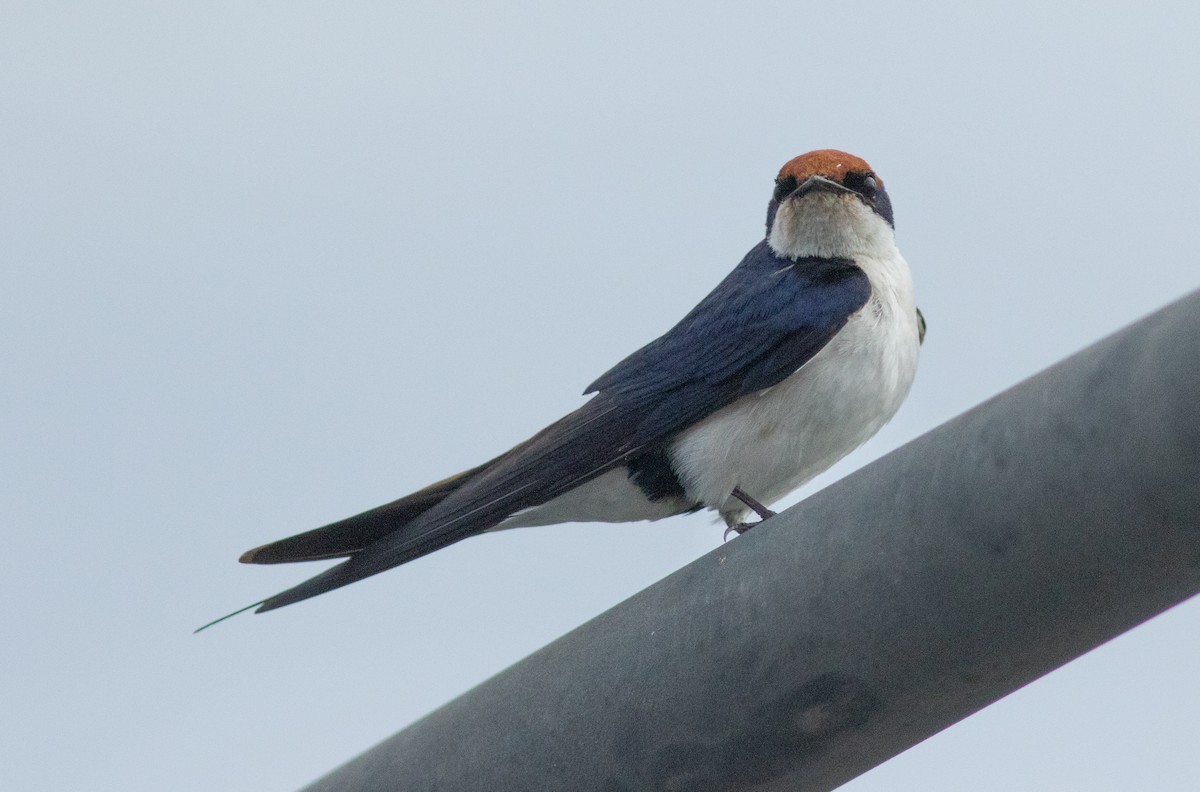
762, 323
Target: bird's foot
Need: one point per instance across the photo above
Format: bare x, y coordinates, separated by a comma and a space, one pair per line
739, 529
762, 511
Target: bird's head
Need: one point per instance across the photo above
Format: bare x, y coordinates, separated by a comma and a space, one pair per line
829, 203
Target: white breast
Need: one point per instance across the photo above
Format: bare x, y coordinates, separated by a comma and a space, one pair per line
771, 442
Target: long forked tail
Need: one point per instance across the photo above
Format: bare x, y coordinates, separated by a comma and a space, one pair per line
360, 567
345, 538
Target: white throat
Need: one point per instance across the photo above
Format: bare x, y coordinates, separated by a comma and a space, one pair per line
829, 225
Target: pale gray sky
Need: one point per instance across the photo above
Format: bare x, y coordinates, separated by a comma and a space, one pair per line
268, 264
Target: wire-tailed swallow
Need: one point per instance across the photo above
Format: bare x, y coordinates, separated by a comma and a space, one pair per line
798, 356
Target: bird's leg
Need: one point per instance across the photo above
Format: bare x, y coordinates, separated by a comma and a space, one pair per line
762, 511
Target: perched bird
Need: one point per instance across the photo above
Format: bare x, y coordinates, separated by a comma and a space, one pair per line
798, 356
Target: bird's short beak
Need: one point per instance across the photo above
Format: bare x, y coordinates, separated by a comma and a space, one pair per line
818, 184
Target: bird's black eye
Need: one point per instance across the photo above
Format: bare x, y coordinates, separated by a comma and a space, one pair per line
784, 187
862, 183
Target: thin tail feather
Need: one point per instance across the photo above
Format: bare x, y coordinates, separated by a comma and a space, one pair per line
227, 616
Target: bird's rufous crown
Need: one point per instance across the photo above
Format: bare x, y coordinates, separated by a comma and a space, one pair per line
828, 163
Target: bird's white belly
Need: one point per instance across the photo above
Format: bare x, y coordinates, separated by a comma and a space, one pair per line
610, 497
771, 442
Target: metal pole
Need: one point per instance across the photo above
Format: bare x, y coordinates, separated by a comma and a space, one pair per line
874, 614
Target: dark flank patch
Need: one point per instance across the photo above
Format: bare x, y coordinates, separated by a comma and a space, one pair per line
655, 477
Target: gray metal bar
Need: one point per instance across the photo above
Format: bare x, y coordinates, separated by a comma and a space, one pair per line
879, 611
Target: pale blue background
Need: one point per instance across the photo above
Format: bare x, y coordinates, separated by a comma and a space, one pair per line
269, 264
